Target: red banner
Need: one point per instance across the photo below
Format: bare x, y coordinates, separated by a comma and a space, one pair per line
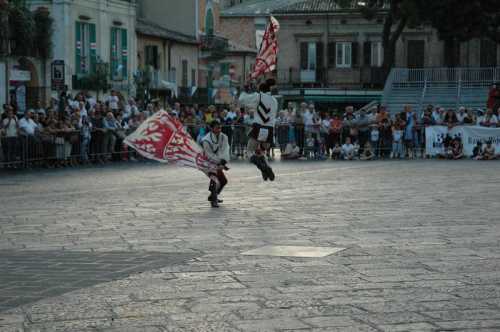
163, 138
268, 54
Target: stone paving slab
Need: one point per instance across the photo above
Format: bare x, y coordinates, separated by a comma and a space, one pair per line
421, 238
29, 276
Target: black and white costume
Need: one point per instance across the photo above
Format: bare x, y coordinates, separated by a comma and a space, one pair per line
217, 149
262, 132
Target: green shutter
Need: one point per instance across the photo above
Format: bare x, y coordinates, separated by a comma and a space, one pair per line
78, 48
93, 48
124, 55
114, 52
224, 69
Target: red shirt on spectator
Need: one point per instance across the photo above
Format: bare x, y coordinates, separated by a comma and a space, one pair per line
493, 96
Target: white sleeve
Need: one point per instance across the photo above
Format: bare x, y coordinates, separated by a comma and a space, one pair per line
208, 152
225, 149
250, 100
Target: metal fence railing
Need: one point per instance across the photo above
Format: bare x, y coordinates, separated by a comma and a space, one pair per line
71, 148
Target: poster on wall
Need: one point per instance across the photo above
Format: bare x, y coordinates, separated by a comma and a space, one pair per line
21, 98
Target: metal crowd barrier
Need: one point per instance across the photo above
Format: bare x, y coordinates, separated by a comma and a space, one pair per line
70, 148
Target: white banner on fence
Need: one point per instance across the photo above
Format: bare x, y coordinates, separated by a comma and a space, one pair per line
470, 135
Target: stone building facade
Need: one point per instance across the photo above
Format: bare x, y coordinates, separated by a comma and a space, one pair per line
90, 32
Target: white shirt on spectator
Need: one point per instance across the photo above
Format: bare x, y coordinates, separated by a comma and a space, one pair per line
113, 102
230, 116
348, 149
461, 117
308, 118
28, 126
10, 127
436, 116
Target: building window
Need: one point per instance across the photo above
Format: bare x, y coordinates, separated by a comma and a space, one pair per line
173, 75
119, 54
377, 54
308, 56
152, 56
86, 48
343, 55
193, 77
209, 23
184, 73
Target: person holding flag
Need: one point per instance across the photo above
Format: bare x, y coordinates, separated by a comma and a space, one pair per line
162, 137
216, 147
262, 102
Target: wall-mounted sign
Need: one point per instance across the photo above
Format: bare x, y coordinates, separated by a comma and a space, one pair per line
19, 75
57, 75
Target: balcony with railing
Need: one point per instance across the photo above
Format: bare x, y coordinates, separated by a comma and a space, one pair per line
213, 46
163, 80
364, 77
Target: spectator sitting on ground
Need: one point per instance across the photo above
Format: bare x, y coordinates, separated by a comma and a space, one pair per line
477, 152
309, 151
367, 153
489, 151
457, 149
348, 150
292, 152
336, 151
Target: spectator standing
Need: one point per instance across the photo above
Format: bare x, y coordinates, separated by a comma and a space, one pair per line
85, 127
111, 126
489, 119
9, 136
461, 115
397, 138
385, 139
494, 98
27, 130
375, 140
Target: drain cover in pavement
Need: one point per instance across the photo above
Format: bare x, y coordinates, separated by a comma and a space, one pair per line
292, 251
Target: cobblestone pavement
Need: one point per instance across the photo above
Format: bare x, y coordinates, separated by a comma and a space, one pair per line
422, 249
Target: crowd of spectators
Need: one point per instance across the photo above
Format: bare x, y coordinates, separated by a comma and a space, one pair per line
81, 130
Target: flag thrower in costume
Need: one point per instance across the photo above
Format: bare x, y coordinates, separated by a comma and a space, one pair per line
268, 53
163, 138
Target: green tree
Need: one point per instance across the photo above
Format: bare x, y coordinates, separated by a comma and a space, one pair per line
465, 20
396, 16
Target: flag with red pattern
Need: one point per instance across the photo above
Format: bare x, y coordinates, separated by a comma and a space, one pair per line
163, 138
268, 54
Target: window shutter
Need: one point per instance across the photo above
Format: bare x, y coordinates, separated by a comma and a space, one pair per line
114, 53
332, 54
93, 48
367, 53
124, 53
303, 55
320, 64
355, 53
78, 48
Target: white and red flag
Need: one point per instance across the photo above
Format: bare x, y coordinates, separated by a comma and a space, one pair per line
163, 138
268, 53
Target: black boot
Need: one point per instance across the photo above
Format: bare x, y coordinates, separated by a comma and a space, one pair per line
260, 162
267, 171
218, 200
214, 202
